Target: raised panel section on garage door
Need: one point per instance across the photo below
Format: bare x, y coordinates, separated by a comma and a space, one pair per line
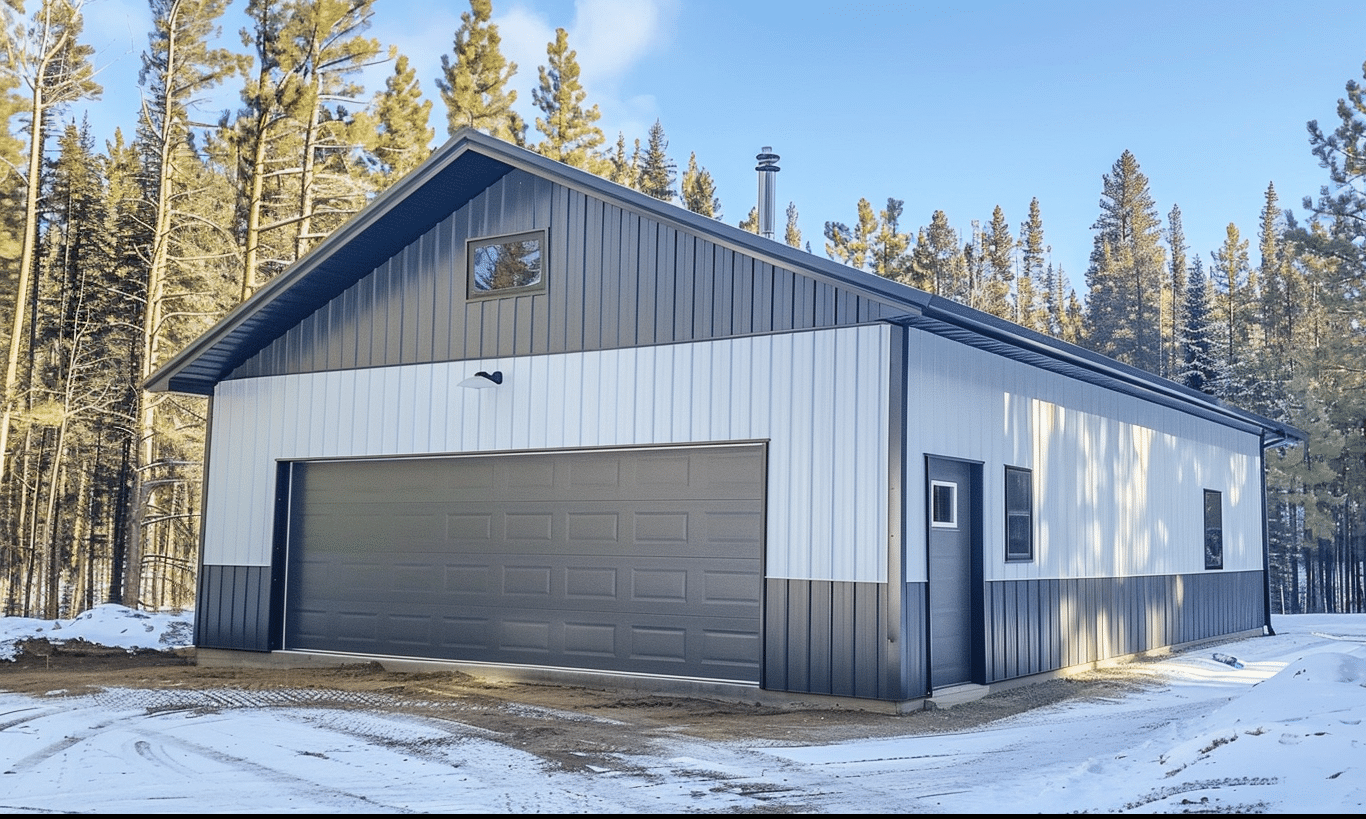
646, 561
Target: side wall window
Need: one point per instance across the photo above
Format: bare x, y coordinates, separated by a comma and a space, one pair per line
1214, 529
507, 265
1019, 514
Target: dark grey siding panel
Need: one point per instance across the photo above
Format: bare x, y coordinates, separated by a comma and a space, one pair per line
915, 637
614, 279
1035, 626
233, 609
826, 637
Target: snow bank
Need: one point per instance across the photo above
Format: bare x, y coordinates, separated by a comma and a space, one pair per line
109, 625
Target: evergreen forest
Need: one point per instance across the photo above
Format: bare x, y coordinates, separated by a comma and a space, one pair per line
115, 256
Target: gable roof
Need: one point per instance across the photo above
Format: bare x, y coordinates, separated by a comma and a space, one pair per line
470, 162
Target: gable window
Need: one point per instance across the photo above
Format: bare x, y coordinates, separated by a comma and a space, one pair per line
1214, 529
943, 504
1019, 514
507, 265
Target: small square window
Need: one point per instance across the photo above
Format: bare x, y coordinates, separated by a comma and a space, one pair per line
1019, 514
944, 504
507, 265
1214, 529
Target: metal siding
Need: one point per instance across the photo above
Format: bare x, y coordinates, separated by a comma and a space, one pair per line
869, 607
763, 306
843, 659
703, 285
592, 278
774, 674
649, 289
234, 613
685, 277
615, 322
915, 638
628, 278
799, 647
1117, 480
1043, 625
667, 273
666, 394
723, 293
823, 637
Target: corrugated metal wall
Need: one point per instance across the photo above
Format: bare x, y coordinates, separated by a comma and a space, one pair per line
821, 398
614, 279
1042, 625
831, 638
1117, 482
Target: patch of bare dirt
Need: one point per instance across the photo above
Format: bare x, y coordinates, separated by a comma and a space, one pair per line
568, 726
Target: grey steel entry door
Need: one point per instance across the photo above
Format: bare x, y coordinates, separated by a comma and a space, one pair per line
951, 513
645, 561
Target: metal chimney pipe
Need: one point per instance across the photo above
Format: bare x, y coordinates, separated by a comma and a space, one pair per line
768, 170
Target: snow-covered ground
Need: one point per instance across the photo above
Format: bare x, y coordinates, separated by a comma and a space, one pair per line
1282, 734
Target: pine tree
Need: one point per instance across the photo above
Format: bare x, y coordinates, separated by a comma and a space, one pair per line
296, 167
888, 248
1200, 367
1176, 240
1044, 281
657, 171
623, 170
47, 57
324, 52
402, 136
474, 83
751, 221
570, 134
177, 69
1125, 273
937, 262
1231, 269
851, 246
1000, 275
792, 235
699, 191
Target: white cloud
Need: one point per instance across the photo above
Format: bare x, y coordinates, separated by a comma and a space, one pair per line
611, 36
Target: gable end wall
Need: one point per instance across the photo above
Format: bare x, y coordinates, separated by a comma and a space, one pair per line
615, 279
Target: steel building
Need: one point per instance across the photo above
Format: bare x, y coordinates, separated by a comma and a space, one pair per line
513, 414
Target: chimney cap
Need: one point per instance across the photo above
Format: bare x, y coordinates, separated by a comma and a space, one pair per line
768, 161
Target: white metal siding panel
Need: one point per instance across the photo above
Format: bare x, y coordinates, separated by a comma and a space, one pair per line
819, 397
1117, 481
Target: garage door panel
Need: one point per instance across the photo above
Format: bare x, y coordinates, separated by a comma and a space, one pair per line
678, 588
725, 648
644, 561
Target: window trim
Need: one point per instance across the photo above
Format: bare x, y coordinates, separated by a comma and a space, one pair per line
1028, 513
1214, 558
952, 522
473, 245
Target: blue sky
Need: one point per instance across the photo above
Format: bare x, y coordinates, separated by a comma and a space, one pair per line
945, 106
